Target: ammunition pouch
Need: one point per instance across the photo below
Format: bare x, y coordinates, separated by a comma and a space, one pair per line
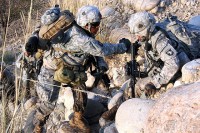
71, 75
64, 75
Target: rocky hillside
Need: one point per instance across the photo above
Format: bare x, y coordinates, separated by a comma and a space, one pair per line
114, 27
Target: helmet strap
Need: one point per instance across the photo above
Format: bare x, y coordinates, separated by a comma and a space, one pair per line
89, 27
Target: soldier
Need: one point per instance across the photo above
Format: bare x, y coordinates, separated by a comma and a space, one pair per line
164, 56
66, 62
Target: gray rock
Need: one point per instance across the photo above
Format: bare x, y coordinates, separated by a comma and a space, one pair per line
111, 129
140, 5
177, 111
107, 11
191, 71
132, 115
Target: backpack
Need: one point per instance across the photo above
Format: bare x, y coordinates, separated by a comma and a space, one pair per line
183, 33
53, 30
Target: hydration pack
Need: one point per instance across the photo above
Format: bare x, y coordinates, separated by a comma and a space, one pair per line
183, 33
51, 31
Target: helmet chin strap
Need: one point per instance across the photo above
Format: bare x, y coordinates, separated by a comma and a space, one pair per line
89, 27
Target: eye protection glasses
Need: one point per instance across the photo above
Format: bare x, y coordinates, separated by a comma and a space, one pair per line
95, 24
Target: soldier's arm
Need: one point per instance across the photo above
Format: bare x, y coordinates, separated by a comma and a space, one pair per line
96, 48
171, 62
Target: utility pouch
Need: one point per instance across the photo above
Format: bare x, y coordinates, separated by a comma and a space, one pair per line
80, 77
64, 75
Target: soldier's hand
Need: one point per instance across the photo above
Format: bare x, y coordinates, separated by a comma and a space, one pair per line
31, 45
150, 89
126, 42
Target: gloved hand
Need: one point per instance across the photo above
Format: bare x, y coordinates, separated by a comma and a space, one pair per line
31, 45
126, 42
150, 89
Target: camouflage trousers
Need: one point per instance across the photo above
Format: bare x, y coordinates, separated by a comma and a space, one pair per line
48, 92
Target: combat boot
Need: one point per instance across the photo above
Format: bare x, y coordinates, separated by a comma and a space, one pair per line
80, 122
110, 114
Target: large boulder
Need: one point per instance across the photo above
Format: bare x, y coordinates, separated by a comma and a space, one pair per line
131, 117
107, 11
191, 71
177, 111
141, 5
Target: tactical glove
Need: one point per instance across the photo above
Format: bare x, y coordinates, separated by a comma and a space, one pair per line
150, 89
126, 42
31, 45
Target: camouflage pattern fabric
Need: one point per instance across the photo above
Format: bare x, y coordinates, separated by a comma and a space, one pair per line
162, 48
77, 40
48, 94
45, 90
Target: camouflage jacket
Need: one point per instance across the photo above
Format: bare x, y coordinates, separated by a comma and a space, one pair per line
164, 59
77, 45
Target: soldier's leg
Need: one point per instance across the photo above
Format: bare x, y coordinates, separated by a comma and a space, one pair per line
48, 95
80, 102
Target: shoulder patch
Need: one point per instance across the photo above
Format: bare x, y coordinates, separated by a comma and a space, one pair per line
169, 52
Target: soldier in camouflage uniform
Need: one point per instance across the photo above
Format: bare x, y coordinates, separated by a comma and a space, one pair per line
164, 57
79, 44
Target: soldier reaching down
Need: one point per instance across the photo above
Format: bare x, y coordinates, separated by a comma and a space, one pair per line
66, 60
164, 56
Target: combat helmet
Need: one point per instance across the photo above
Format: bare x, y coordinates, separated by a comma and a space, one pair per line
140, 23
87, 15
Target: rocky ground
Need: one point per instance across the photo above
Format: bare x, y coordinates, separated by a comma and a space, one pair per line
164, 110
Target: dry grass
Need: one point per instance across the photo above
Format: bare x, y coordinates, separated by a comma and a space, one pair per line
3, 117
5, 125
74, 5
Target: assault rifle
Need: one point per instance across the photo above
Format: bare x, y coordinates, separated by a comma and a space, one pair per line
31, 66
132, 69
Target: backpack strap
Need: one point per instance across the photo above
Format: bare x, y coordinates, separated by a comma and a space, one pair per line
179, 43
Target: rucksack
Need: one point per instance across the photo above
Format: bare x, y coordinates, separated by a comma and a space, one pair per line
51, 31
185, 34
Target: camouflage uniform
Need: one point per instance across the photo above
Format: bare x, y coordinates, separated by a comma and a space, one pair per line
164, 57
163, 61
78, 45
77, 40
